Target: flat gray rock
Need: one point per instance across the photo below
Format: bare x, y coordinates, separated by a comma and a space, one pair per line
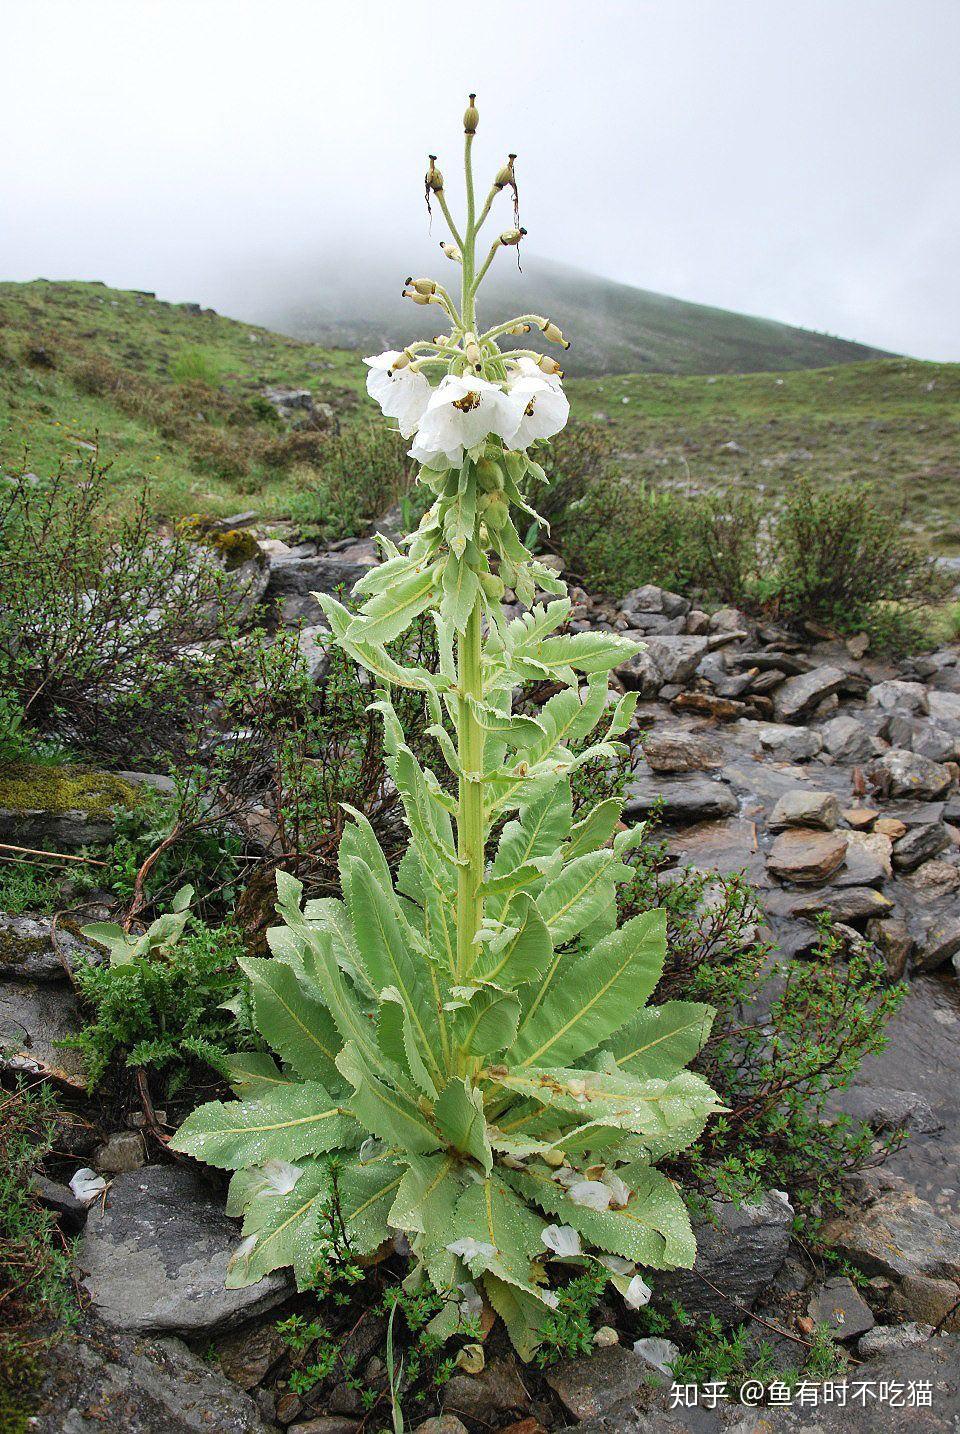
898, 1235
33, 1018
799, 695
156, 1257
839, 1305
676, 658
98, 1379
803, 808
28, 951
292, 581
739, 1255
683, 799
901, 773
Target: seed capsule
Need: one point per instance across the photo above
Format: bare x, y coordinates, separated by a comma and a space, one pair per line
553, 334
471, 117
549, 365
433, 179
512, 236
452, 252
422, 286
505, 176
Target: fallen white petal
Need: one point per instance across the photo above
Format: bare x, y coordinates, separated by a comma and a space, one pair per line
87, 1185
659, 1353
561, 1239
591, 1193
637, 1294
471, 1249
280, 1176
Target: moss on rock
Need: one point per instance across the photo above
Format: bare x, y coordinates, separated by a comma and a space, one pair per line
33, 787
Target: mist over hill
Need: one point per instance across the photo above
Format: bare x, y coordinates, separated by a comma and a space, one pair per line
352, 302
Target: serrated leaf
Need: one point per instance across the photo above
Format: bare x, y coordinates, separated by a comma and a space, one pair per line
490, 1213
460, 588
487, 1023
365, 1194
523, 1314
598, 995
282, 1230
526, 952
291, 1121
425, 1200
459, 1115
383, 1109
297, 1025
595, 830
580, 894
253, 1073
661, 1040
391, 612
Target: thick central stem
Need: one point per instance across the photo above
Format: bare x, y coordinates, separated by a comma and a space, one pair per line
470, 817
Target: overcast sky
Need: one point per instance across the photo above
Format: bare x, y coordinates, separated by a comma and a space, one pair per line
798, 159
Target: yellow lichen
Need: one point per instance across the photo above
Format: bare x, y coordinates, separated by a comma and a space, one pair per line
31, 787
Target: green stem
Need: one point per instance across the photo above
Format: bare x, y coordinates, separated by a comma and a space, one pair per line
470, 816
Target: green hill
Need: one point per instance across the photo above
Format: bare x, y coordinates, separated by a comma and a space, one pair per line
174, 396
616, 328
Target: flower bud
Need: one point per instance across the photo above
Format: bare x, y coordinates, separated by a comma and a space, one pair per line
433, 179
492, 586
471, 117
519, 329
401, 360
505, 175
452, 252
553, 334
422, 286
496, 512
472, 350
512, 236
417, 298
489, 475
549, 365
554, 1158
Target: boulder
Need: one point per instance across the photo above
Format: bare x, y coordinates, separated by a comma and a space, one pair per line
929, 1301
939, 942
107, 1380
919, 844
676, 658
896, 696
900, 773
28, 950
850, 903
898, 1235
940, 744
313, 643
293, 581
650, 598
496, 1390
640, 674
59, 808
681, 799
943, 706
155, 1258
802, 808
848, 740
839, 1305
894, 942
799, 695
739, 1251
588, 1388
34, 1018
672, 749
803, 856
789, 744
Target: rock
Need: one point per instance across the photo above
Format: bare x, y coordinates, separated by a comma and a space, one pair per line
684, 799
789, 744
123, 1152
803, 856
891, 827
936, 878
672, 749
919, 844
650, 598
156, 1257
59, 808
885, 1340
839, 1305
654, 624
923, 737
98, 1379
497, 1389
801, 694
848, 740
885, 1109
899, 773
327, 1424
898, 1235
445, 1424
589, 1387
943, 706
247, 1355
860, 818
676, 658
729, 619
853, 903
70, 1212
938, 944
723, 846
292, 581
705, 703
640, 674
697, 623
28, 951
314, 643
896, 696
894, 943
801, 808
33, 1019
877, 848
930, 1301
739, 1254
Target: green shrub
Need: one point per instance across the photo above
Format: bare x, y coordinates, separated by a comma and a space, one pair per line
843, 561
351, 481
196, 365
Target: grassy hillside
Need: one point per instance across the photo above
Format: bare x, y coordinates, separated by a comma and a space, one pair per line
616, 328
172, 394
894, 423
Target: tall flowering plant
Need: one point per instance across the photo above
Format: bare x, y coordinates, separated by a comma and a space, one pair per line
465, 1057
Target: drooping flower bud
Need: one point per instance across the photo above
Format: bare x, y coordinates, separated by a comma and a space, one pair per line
519, 329
422, 286
471, 117
505, 175
452, 252
549, 365
433, 179
417, 298
472, 350
512, 236
553, 334
489, 475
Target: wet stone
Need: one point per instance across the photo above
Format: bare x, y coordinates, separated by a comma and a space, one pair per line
800, 855
802, 808
839, 1305
684, 799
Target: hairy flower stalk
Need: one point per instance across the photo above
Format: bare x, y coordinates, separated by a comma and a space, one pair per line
466, 1056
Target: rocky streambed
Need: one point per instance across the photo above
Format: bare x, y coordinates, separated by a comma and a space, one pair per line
831, 780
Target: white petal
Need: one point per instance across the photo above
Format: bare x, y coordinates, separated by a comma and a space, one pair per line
591, 1193
561, 1239
658, 1353
617, 1265
280, 1176
620, 1192
471, 1303
470, 1249
637, 1294
549, 1299
244, 1249
87, 1185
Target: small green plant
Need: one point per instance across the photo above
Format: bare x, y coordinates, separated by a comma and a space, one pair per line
166, 1001
568, 1330
26, 888
195, 365
470, 1041
35, 1284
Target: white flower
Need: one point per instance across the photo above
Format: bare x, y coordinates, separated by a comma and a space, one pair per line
561, 1239
591, 1193
279, 1177
545, 406
461, 412
470, 1249
87, 1185
637, 1294
402, 394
